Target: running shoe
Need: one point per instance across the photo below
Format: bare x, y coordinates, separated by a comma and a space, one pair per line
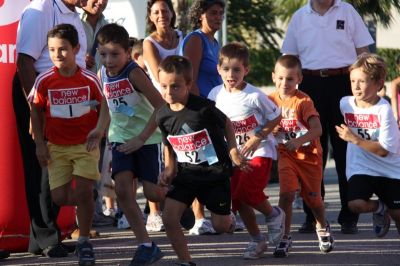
325, 238
154, 223
381, 222
276, 226
146, 255
202, 227
283, 247
255, 250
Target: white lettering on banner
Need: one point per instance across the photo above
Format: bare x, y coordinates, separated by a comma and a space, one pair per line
291, 129
244, 129
120, 92
368, 121
68, 103
7, 53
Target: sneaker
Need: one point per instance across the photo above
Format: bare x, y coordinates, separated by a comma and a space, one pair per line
255, 250
154, 223
349, 228
325, 238
276, 226
146, 255
381, 222
307, 227
187, 220
190, 263
239, 224
85, 254
109, 212
56, 251
202, 227
102, 220
283, 247
4, 254
297, 202
123, 223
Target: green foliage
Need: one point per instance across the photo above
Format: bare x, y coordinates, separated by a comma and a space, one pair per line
390, 56
262, 62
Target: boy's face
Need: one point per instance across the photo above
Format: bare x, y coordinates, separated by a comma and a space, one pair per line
232, 72
114, 57
363, 87
286, 79
138, 58
62, 54
174, 88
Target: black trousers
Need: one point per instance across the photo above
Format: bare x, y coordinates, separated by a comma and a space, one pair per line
326, 93
43, 213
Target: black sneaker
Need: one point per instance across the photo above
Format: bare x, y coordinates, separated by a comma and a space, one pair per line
85, 254
186, 263
69, 248
187, 219
146, 255
307, 228
349, 228
56, 251
4, 254
283, 247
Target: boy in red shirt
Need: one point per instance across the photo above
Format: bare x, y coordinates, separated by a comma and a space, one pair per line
63, 103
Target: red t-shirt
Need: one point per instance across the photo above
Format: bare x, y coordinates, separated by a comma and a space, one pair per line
70, 115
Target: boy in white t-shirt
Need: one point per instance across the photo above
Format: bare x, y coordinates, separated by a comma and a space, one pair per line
373, 150
254, 117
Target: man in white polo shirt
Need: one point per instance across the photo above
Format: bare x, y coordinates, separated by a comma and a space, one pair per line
327, 35
33, 58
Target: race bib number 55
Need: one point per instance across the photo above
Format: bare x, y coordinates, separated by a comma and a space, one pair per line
194, 148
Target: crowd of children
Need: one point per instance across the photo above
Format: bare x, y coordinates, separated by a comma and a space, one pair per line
218, 150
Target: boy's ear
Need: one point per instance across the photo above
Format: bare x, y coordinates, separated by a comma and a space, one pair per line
273, 76
246, 70
300, 78
77, 48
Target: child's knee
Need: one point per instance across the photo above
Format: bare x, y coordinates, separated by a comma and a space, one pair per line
356, 206
286, 197
222, 224
60, 199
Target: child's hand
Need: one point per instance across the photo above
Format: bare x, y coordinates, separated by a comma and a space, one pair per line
131, 145
276, 130
239, 160
93, 139
250, 146
345, 133
293, 144
42, 154
166, 176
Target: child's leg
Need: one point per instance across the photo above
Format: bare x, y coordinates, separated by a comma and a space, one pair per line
249, 219
363, 206
395, 214
84, 204
173, 210
124, 188
285, 203
153, 192
223, 223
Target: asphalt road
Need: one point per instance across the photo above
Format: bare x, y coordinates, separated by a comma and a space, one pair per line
116, 247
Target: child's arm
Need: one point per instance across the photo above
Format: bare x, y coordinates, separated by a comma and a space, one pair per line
314, 132
142, 82
395, 86
170, 166
252, 144
94, 136
237, 158
374, 147
42, 152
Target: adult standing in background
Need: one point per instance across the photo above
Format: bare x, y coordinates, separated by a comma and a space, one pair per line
201, 48
33, 58
327, 35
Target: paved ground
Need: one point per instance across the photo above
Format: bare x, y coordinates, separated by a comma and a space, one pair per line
116, 247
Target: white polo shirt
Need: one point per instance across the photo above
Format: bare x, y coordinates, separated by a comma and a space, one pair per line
327, 41
37, 19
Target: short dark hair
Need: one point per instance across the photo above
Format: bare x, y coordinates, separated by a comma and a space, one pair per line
64, 31
289, 61
199, 7
177, 64
234, 50
150, 25
113, 33
136, 45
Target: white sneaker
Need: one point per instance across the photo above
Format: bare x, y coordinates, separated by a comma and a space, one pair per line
202, 227
109, 212
255, 250
276, 227
297, 202
154, 223
239, 226
123, 223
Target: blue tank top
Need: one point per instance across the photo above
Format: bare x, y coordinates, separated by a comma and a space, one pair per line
208, 76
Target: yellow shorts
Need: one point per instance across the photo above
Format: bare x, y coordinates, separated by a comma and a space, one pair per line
71, 160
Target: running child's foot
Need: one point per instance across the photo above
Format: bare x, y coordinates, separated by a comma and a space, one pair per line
381, 222
85, 254
190, 263
154, 223
283, 247
325, 238
255, 250
146, 255
202, 227
275, 226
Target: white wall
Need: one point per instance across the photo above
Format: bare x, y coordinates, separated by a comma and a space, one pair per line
389, 37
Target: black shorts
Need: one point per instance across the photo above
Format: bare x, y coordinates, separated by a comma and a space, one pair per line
387, 189
216, 196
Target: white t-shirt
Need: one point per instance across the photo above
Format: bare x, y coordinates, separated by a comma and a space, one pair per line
249, 110
37, 19
327, 41
163, 53
375, 123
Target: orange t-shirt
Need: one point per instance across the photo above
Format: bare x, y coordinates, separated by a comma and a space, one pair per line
68, 103
296, 111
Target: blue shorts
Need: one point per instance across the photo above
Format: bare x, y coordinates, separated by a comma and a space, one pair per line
145, 163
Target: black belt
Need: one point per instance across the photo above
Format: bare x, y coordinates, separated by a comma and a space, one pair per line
326, 72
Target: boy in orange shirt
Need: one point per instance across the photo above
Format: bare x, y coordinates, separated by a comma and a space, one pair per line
300, 152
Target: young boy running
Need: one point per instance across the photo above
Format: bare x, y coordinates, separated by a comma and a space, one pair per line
68, 95
196, 155
300, 152
373, 150
254, 117
131, 100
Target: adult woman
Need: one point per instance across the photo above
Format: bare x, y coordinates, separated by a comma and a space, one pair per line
164, 39
201, 47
